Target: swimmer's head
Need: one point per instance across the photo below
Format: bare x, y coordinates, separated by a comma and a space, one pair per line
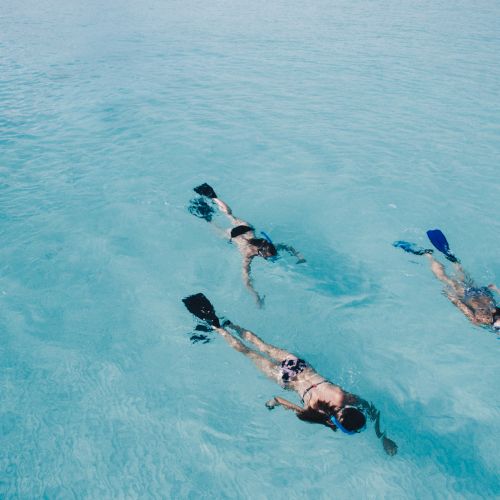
349, 419
264, 248
484, 310
496, 319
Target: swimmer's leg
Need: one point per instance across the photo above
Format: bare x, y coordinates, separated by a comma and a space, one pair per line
225, 209
462, 275
272, 351
438, 269
247, 280
206, 190
266, 366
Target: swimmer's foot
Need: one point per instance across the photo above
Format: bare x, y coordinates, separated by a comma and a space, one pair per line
412, 248
205, 190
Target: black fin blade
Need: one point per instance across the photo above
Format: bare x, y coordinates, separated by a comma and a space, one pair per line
200, 306
205, 190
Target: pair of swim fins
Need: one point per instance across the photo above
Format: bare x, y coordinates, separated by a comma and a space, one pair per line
198, 304
436, 237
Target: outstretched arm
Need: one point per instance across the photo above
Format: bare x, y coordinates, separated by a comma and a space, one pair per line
247, 279
291, 251
390, 447
494, 288
277, 401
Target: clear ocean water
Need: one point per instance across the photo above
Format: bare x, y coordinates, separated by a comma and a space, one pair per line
337, 127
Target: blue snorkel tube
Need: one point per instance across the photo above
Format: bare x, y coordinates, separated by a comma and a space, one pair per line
333, 420
270, 241
267, 237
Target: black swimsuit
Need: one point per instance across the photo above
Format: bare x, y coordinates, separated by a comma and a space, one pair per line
239, 230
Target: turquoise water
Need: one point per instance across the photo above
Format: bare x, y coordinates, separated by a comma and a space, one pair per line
335, 127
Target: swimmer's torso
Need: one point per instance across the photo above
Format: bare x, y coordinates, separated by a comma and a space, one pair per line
324, 391
241, 239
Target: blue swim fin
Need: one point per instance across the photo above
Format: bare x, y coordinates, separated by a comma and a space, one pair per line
438, 239
411, 247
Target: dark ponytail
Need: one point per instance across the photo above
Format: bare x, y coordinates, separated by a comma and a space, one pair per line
316, 416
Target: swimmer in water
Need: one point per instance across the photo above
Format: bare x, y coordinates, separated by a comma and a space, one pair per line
323, 402
242, 234
476, 303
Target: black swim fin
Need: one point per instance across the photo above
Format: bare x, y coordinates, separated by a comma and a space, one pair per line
205, 190
200, 306
200, 208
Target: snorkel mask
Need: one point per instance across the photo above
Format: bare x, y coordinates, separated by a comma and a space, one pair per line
334, 420
496, 319
270, 242
267, 237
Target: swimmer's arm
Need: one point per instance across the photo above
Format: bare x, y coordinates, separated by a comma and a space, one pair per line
224, 208
456, 302
494, 288
291, 251
247, 279
277, 401
390, 447
368, 408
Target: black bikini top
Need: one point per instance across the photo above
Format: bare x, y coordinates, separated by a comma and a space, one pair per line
239, 230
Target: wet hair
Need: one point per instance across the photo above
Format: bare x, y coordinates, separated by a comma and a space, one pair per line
352, 419
264, 246
316, 416
313, 416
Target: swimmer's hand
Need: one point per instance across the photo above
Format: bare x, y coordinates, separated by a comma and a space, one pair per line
271, 404
390, 447
260, 301
493, 287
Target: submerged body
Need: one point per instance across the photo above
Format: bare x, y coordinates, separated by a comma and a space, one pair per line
476, 303
242, 234
324, 402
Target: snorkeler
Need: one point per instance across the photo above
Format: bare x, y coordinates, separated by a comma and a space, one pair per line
324, 403
243, 235
476, 303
